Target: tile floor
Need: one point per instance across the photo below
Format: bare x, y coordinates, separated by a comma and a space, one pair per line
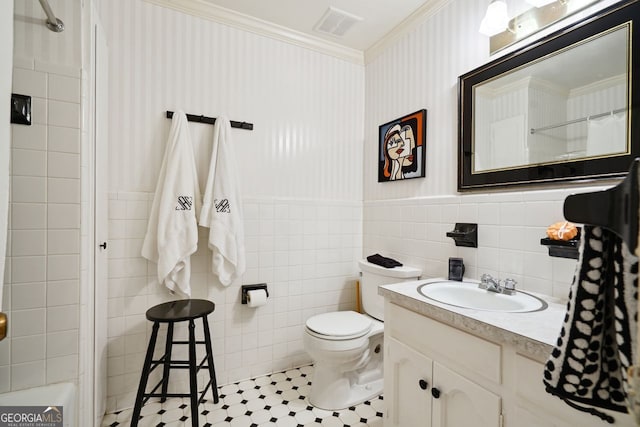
276, 400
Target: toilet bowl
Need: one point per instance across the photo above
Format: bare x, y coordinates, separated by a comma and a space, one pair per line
346, 347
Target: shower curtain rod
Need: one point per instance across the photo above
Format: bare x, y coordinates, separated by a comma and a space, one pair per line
53, 23
212, 120
582, 119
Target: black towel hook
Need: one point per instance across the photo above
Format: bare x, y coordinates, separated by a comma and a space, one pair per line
615, 208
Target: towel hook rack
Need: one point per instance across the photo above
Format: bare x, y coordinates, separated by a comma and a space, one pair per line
615, 208
199, 118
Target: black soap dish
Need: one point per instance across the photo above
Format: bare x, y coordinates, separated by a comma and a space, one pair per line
465, 234
563, 248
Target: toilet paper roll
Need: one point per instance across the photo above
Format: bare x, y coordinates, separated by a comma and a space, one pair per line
256, 298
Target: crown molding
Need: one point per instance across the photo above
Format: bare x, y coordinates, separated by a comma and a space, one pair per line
411, 22
203, 9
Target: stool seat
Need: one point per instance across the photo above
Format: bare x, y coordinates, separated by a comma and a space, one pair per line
179, 311
187, 310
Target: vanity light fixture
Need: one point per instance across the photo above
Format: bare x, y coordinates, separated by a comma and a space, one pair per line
545, 13
496, 19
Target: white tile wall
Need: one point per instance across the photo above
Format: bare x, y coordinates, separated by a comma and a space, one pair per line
306, 251
42, 278
510, 226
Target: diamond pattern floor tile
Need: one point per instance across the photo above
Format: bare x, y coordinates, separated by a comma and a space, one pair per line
276, 400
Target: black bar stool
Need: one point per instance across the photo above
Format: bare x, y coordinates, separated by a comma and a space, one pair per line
170, 313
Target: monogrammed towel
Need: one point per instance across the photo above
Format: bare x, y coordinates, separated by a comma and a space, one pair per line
222, 208
172, 231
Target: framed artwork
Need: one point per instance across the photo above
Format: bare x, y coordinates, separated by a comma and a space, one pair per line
401, 147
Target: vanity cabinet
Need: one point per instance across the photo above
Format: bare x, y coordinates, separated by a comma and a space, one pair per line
407, 388
439, 375
422, 389
422, 392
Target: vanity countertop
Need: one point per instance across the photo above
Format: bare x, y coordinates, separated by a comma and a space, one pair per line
532, 334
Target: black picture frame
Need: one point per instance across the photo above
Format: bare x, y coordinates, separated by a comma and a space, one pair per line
402, 147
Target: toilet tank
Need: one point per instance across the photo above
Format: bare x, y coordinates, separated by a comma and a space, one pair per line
373, 276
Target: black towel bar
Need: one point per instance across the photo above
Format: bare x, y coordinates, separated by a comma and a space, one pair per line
211, 120
615, 208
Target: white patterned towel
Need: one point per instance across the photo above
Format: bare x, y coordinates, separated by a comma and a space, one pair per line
597, 343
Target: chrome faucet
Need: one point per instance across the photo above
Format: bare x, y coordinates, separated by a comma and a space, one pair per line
493, 285
489, 283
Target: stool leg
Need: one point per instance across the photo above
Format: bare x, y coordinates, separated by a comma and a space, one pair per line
192, 373
212, 370
145, 375
167, 362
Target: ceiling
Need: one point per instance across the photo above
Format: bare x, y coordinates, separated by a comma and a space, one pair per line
379, 17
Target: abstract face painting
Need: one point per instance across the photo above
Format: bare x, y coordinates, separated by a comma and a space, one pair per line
402, 148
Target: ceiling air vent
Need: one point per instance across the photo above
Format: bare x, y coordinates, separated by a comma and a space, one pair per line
336, 22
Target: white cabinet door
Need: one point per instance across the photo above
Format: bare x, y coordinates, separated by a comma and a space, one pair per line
407, 386
533, 417
462, 403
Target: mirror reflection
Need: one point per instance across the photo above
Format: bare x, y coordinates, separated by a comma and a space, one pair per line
566, 106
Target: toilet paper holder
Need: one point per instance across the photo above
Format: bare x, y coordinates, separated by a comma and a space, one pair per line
247, 288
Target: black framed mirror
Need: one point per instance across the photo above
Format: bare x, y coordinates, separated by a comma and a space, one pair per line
562, 108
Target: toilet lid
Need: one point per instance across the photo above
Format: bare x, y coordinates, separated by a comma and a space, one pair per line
340, 324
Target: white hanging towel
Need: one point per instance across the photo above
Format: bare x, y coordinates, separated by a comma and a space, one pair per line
172, 231
222, 208
606, 135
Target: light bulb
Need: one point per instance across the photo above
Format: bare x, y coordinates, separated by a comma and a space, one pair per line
496, 19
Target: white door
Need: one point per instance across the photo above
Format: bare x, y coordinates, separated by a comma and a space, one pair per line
407, 386
460, 402
101, 230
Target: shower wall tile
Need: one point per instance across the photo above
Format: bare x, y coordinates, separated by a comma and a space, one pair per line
5, 378
63, 165
28, 349
65, 114
26, 216
62, 139
27, 375
63, 88
64, 368
29, 82
28, 242
29, 162
28, 322
62, 318
32, 137
28, 189
61, 242
39, 111
63, 292
66, 216
62, 190
28, 269
43, 259
28, 296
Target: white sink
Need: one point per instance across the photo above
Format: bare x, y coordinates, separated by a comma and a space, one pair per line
468, 295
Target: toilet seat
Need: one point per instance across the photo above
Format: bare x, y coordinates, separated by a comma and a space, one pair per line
339, 325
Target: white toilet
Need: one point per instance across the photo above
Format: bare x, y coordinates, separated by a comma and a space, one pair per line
346, 347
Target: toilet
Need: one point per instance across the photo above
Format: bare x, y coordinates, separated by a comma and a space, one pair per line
346, 347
